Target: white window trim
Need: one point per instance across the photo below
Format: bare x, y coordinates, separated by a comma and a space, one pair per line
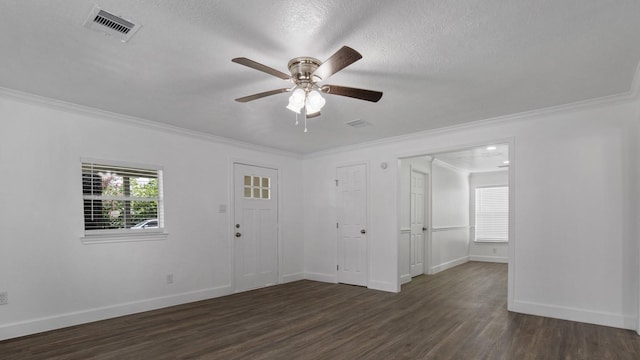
142, 235
489, 241
126, 235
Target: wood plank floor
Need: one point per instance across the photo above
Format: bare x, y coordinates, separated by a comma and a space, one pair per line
457, 314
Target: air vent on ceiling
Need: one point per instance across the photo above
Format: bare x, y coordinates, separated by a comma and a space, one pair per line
111, 24
358, 123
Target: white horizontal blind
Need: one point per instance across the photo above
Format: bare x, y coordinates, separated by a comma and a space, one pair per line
119, 197
492, 213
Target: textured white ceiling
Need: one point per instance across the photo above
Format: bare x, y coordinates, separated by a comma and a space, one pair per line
439, 63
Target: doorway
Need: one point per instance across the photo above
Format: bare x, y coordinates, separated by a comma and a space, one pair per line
450, 238
255, 227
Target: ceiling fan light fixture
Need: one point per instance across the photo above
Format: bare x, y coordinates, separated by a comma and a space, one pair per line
293, 108
314, 102
296, 100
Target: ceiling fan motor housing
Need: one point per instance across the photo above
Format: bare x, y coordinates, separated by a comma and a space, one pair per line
302, 68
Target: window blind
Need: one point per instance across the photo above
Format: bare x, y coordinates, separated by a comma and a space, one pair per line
120, 197
492, 214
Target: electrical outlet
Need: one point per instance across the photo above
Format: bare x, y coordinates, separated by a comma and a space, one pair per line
4, 298
495, 250
170, 279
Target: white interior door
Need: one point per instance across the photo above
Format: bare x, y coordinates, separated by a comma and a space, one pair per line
352, 216
256, 227
418, 227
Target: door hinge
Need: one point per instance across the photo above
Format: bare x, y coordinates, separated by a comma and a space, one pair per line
337, 227
336, 182
337, 267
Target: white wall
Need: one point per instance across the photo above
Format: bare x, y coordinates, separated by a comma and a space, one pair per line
53, 280
573, 248
449, 217
320, 219
485, 251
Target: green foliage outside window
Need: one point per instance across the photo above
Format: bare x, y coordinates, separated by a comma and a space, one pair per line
126, 213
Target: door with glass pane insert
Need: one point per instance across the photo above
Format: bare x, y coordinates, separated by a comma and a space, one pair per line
255, 227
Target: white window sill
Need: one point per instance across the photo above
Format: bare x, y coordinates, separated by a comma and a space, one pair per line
491, 242
89, 239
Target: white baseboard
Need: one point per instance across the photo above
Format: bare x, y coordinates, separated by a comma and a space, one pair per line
22, 328
333, 278
448, 265
292, 277
328, 278
575, 314
405, 278
494, 259
383, 286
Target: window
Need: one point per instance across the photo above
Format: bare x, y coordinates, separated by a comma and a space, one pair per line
256, 187
121, 201
492, 214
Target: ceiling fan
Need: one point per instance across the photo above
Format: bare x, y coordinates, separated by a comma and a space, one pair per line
306, 74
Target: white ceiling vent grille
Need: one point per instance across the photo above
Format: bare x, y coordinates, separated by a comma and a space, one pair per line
111, 24
358, 123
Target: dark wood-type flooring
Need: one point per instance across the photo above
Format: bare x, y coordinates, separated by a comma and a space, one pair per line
457, 314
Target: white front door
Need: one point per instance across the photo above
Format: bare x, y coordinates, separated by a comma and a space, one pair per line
418, 228
352, 217
255, 227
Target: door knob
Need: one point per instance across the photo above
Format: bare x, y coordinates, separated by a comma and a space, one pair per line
424, 229
363, 231
238, 234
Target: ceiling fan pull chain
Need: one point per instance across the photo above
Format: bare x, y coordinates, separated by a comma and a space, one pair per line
305, 119
296, 119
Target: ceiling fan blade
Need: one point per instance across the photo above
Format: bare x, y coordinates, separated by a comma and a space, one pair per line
261, 95
338, 61
264, 68
362, 94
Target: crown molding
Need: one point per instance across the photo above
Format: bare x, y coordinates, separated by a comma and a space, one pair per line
446, 165
60, 105
629, 96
